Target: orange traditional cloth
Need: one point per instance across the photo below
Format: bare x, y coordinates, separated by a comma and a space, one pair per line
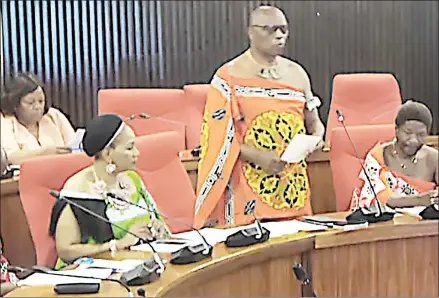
265, 114
385, 182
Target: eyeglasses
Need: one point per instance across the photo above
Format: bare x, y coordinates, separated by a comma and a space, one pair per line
271, 29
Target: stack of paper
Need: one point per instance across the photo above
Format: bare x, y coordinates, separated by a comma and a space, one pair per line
163, 246
276, 228
75, 143
58, 277
413, 211
119, 266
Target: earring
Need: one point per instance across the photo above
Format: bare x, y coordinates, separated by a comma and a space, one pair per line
110, 168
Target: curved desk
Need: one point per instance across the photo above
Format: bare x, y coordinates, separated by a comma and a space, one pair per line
396, 259
260, 270
388, 259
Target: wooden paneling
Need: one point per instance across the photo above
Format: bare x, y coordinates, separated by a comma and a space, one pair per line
80, 46
378, 269
18, 246
390, 259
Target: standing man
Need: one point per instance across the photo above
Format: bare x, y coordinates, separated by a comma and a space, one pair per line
256, 104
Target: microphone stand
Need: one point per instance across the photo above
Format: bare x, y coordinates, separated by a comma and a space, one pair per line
148, 272
185, 255
365, 214
25, 272
249, 236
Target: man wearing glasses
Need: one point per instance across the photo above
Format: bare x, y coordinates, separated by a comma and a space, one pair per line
257, 103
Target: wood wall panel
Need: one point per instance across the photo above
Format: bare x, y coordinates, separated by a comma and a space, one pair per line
77, 47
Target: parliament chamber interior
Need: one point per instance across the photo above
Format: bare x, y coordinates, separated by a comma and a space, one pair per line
219, 148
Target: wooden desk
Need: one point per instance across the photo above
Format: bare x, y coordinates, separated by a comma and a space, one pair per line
260, 270
396, 258
320, 179
18, 246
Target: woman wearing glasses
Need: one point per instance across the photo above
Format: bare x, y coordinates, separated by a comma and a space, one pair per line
257, 103
29, 127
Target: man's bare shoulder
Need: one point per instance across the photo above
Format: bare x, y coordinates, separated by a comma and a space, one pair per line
293, 65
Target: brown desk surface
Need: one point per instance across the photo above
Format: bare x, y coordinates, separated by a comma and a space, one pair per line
229, 268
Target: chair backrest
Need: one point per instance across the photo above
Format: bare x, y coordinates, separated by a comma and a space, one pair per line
161, 104
37, 177
166, 179
345, 166
196, 95
364, 99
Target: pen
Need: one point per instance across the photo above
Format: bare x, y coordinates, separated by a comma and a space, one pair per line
329, 225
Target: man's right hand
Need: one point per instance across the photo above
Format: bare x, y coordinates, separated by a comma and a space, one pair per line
270, 162
52, 150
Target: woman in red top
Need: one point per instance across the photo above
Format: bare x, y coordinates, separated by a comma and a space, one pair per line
8, 280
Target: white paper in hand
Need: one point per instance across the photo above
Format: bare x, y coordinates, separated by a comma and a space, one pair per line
74, 144
299, 147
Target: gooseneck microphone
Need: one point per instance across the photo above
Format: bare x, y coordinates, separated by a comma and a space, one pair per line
71, 288
185, 255
251, 235
148, 271
365, 214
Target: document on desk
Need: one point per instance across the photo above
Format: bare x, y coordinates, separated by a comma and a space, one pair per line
276, 228
58, 277
163, 246
299, 148
412, 211
212, 235
119, 266
75, 143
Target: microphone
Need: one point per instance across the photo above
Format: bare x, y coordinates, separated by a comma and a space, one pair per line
430, 212
185, 255
365, 214
301, 276
73, 288
251, 235
145, 273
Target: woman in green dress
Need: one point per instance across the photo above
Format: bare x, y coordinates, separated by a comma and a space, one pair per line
105, 188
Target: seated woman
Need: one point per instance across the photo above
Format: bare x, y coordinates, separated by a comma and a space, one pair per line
106, 187
405, 171
8, 279
29, 127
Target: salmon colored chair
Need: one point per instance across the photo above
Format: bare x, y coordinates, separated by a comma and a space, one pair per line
37, 177
196, 95
164, 105
345, 166
364, 99
166, 179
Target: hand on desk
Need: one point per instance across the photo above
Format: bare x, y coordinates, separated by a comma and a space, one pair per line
140, 229
157, 229
56, 150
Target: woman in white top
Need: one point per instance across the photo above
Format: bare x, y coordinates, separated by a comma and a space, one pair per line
29, 127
